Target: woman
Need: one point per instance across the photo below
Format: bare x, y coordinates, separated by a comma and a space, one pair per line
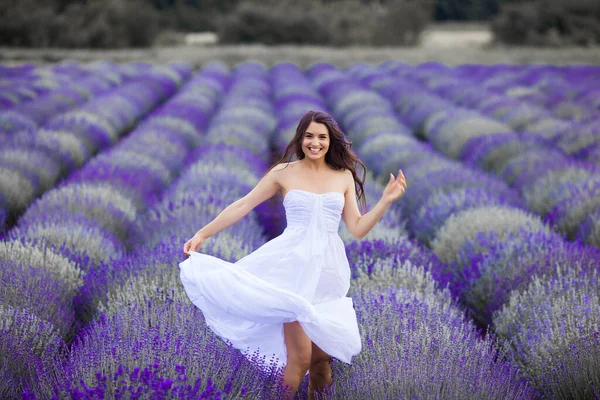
288, 297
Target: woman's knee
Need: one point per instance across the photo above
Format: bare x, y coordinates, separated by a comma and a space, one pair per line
301, 361
318, 356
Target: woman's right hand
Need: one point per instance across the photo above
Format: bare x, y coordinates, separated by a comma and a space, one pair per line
193, 244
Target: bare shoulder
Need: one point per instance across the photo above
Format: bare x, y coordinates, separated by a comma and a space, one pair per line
347, 178
346, 174
280, 173
282, 166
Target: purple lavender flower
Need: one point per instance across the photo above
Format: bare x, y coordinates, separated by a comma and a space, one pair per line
72, 234
552, 328
26, 342
418, 344
36, 289
141, 346
568, 214
429, 218
589, 230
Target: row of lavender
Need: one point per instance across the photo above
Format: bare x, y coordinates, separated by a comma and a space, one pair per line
70, 231
555, 163
22, 83
494, 251
570, 93
375, 261
75, 88
47, 137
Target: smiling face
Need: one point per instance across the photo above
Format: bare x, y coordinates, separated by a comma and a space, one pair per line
315, 142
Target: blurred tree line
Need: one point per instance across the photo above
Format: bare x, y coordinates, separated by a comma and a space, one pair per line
548, 23
137, 23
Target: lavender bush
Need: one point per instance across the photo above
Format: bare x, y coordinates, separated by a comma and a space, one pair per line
589, 230
487, 278
523, 169
429, 218
168, 340
44, 167
553, 329
76, 233
568, 214
38, 291
467, 224
26, 342
448, 131
492, 152
553, 186
32, 254
417, 342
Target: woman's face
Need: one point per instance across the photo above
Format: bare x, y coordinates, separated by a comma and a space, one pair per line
316, 141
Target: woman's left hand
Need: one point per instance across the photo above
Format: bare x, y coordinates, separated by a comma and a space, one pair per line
395, 188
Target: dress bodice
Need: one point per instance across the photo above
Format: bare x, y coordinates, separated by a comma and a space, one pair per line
304, 209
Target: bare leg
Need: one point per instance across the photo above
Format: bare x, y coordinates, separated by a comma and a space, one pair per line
319, 370
298, 346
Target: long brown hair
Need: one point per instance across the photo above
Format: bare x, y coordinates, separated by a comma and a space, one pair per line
338, 156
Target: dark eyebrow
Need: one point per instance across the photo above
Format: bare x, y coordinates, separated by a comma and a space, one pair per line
322, 134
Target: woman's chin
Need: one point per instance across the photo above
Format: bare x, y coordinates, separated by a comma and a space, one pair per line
313, 156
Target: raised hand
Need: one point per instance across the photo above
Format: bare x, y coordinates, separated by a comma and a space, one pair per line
395, 187
193, 244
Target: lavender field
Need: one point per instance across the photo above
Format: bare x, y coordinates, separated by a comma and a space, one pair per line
481, 282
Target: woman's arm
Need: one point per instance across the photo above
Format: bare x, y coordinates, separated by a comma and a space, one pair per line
229, 216
366, 222
265, 189
360, 225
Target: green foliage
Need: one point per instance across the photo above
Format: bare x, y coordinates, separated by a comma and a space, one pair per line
137, 23
465, 10
337, 22
402, 23
192, 15
102, 24
351, 22
549, 23
27, 23
95, 23
272, 24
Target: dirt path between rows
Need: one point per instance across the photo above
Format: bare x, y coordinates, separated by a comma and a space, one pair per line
305, 56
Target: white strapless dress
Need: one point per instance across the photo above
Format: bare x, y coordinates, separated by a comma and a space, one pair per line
301, 275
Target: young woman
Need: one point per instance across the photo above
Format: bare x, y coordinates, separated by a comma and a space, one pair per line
288, 297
